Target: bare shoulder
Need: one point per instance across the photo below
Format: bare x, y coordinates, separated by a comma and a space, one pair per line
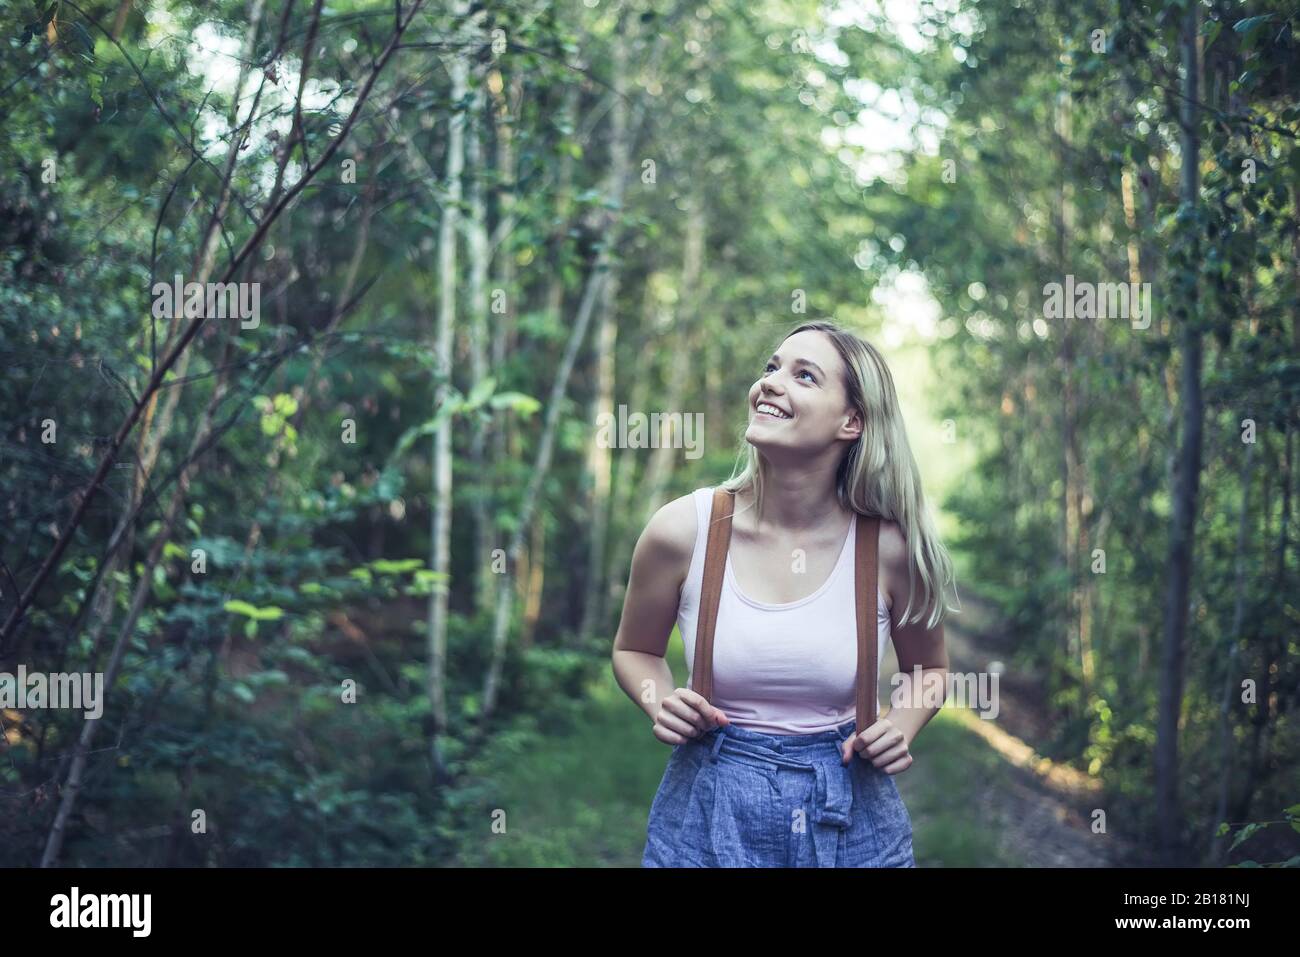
669, 536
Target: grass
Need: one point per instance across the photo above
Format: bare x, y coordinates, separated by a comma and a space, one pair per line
951, 765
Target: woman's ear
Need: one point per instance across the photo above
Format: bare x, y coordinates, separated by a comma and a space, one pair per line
853, 425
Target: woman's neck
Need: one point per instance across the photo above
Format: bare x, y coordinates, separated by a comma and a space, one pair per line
799, 500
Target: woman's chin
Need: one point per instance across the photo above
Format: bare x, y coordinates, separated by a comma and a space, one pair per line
760, 438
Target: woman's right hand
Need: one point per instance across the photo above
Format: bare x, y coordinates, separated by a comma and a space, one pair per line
684, 715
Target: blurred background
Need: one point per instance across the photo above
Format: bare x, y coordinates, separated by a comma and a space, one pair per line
352, 566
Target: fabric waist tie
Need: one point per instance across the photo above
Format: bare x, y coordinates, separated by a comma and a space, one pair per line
832, 794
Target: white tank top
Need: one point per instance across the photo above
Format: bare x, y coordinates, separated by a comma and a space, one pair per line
788, 668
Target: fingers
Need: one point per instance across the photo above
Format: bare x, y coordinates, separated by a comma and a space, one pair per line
668, 736
890, 756
686, 712
876, 739
711, 716
884, 746
900, 765
681, 728
684, 715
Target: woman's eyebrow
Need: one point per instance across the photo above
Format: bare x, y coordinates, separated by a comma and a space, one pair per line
776, 358
807, 362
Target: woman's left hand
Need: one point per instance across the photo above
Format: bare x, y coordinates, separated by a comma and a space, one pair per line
883, 744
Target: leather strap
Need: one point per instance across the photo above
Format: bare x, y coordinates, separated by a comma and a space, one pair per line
865, 576
715, 563
865, 556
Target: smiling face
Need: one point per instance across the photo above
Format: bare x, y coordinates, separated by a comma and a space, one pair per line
799, 404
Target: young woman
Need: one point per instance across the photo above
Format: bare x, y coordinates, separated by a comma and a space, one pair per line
769, 772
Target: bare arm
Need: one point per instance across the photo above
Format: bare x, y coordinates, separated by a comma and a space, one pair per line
917, 647
659, 565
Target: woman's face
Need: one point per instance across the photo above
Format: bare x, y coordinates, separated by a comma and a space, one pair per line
799, 403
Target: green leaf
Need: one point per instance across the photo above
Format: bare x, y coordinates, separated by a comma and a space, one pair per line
390, 566
1251, 23
525, 405
95, 81
1244, 834
237, 607
480, 393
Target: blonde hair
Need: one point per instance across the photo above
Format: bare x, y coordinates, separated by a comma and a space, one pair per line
878, 475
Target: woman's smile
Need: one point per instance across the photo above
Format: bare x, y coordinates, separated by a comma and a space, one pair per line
768, 411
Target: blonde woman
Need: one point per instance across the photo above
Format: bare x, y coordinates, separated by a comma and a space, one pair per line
769, 771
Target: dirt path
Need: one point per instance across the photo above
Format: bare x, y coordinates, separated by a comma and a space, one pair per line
1039, 813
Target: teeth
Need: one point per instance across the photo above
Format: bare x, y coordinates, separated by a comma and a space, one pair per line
771, 410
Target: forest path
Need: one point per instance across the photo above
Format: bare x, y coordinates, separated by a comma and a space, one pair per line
1035, 812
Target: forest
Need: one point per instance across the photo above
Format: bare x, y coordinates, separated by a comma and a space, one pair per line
348, 347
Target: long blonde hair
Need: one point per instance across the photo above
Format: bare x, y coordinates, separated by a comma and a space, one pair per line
877, 476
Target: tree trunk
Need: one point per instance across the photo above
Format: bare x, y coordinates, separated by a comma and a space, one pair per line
440, 494
478, 314
1182, 530
686, 335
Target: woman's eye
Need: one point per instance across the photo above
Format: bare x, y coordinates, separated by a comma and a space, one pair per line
810, 376
768, 368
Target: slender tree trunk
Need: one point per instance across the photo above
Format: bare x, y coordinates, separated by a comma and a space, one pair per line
1182, 531
1071, 467
478, 344
501, 319
685, 339
599, 463
598, 457
532, 574
440, 494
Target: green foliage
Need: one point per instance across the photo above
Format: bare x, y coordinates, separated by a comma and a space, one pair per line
278, 487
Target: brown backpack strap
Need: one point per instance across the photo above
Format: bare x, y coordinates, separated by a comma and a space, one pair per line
866, 575
715, 563
865, 599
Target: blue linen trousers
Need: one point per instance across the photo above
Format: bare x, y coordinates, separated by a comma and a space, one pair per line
733, 797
